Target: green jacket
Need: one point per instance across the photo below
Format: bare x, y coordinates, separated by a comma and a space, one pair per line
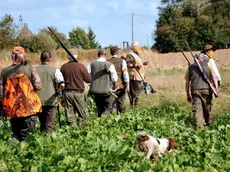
47, 93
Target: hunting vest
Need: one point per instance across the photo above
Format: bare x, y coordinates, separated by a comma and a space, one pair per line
197, 80
100, 78
19, 97
47, 93
117, 62
133, 74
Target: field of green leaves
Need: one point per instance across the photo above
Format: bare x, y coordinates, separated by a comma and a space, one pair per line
107, 143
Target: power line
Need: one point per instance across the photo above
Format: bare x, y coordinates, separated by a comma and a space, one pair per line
141, 22
147, 15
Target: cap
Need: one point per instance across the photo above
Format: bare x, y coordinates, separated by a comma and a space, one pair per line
18, 50
114, 49
208, 47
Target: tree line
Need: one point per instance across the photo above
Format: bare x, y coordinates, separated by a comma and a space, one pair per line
44, 40
195, 21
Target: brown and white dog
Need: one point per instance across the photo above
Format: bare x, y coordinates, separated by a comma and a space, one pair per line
153, 146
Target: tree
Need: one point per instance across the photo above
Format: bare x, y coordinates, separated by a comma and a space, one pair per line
60, 35
170, 2
8, 32
196, 21
219, 12
193, 8
166, 39
93, 43
166, 35
38, 43
79, 39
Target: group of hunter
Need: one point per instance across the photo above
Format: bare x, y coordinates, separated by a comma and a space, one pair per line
29, 93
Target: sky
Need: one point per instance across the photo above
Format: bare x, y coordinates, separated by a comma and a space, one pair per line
110, 20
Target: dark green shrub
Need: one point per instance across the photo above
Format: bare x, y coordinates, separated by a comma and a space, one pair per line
38, 43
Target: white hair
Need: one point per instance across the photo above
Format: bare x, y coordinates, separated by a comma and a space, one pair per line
135, 44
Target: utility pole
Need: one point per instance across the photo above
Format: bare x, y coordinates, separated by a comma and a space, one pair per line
132, 28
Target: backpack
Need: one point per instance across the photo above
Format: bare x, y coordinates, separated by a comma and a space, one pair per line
19, 97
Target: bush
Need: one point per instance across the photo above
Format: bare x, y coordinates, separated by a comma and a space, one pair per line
38, 43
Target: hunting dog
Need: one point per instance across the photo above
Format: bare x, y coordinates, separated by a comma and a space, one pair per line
153, 146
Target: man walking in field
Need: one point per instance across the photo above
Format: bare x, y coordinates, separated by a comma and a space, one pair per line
20, 102
52, 80
123, 78
136, 73
104, 77
199, 92
75, 75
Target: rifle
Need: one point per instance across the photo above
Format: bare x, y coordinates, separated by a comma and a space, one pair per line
63, 46
205, 76
186, 58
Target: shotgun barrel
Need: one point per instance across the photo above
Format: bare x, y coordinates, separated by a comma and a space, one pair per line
63, 46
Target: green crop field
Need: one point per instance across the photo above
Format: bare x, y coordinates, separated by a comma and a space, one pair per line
108, 143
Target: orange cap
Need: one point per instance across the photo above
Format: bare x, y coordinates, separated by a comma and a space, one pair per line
18, 50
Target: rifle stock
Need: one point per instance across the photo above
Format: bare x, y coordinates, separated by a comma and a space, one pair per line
63, 46
210, 83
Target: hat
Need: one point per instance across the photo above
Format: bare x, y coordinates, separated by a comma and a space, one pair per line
208, 47
18, 50
114, 49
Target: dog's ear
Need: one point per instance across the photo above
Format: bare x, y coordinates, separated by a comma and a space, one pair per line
172, 144
143, 138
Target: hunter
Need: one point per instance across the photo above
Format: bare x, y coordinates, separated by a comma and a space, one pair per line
198, 91
123, 78
104, 77
20, 82
135, 69
52, 80
74, 100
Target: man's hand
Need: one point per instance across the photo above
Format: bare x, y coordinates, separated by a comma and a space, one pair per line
138, 66
62, 102
218, 82
127, 87
146, 63
189, 99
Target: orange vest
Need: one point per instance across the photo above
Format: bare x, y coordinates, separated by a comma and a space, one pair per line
20, 99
